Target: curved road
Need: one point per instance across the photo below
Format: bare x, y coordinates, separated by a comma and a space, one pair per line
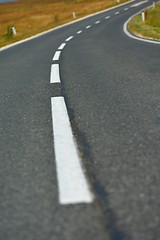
111, 86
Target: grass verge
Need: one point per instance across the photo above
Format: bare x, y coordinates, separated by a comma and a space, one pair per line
30, 17
150, 28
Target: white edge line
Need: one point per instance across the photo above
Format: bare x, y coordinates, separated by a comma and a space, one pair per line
62, 46
54, 74
61, 26
56, 55
73, 186
125, 29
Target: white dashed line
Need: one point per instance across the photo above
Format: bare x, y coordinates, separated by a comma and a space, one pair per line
62, 46
125, 9
68, 39
116, 13
72, 183
56, 56
54, 75
138, 4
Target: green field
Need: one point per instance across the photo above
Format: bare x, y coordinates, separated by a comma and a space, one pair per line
151, 27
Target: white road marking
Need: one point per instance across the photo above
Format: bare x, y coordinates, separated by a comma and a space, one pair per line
89, 26
79, 32
54, 75
62, 46
138, 4
125, 9
68, 39
97, 22
72, 183
56, 56
107, 17
140, 38
116, 13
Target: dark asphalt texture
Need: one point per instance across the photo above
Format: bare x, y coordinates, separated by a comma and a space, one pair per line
111, 87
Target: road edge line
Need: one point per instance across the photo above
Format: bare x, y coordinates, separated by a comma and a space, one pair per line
131, 35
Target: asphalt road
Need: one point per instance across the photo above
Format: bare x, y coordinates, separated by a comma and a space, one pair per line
111, 87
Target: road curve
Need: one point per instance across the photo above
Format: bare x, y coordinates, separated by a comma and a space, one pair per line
110, 84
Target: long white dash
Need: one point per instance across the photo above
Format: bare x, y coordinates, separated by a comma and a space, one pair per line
54, 75
68, 39
89, 26
116, 13
56, 56
107, 17
97, 22
72, 183
62, 46
79, 32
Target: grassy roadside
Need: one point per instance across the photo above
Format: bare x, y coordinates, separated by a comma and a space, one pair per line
151, 27
34, 16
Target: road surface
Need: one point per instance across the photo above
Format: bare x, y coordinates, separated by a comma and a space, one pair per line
110, 86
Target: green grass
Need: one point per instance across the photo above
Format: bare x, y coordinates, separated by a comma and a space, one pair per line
151, 27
